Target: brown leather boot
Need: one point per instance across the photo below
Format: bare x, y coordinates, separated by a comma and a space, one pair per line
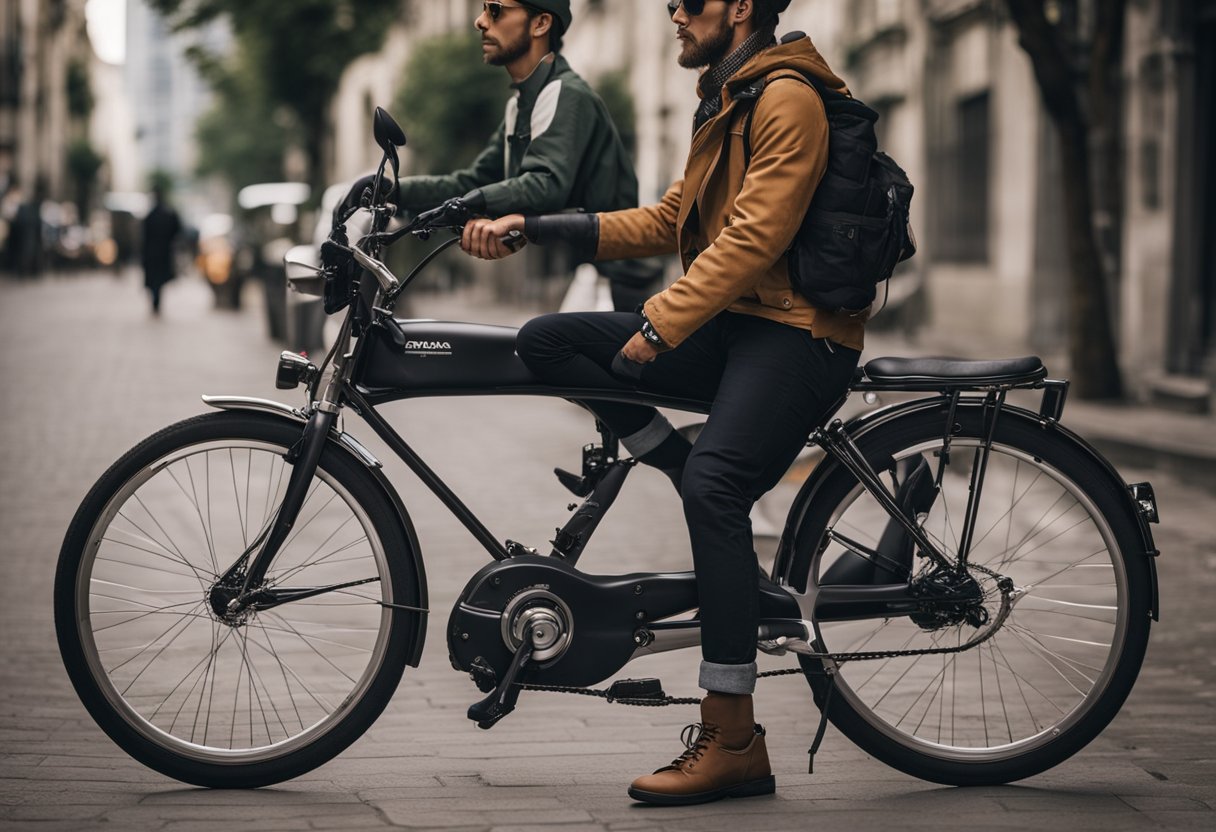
726, 757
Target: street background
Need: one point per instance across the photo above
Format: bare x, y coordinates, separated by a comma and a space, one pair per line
89, 374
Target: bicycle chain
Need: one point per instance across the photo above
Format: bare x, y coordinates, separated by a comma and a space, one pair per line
1004, 584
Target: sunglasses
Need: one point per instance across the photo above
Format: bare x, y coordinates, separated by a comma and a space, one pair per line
495, 9
692, 7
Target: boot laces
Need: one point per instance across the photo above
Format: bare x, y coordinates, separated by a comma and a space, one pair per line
696, 738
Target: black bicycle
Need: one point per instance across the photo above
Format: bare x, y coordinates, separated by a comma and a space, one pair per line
966, 585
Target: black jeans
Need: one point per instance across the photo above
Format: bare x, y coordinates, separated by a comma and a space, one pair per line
770, 385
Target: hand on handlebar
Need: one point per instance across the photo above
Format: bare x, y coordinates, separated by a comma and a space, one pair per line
492, 239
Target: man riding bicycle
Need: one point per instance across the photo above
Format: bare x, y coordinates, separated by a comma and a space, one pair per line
731, 330
556, 148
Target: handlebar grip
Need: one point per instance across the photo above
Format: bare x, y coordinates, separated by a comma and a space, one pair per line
514, 241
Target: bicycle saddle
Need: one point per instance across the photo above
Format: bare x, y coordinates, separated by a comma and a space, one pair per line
948, 370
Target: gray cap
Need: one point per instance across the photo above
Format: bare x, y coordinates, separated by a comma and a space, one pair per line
560, 9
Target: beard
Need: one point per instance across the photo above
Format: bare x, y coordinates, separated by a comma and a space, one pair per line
708, 52
509, 52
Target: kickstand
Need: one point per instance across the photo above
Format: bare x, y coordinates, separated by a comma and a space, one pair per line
823, 724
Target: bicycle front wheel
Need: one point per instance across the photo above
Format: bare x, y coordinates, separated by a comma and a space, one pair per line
180, 683
1055, 672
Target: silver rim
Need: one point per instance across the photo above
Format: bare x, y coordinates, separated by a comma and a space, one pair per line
1050, 662
191, 683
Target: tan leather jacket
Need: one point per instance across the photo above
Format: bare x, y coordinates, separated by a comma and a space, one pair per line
731, 226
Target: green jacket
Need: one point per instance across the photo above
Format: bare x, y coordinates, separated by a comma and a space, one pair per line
556, 149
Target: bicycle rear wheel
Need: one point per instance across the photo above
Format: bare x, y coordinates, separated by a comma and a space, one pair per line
1056, 670
186, 688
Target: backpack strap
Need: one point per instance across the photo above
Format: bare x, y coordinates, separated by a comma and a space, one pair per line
750, 95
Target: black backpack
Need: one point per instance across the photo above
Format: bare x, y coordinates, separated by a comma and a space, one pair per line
857, 228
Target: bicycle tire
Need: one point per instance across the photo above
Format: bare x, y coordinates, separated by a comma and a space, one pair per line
156, 562
1055, 459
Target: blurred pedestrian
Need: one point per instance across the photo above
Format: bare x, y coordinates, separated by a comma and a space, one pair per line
26, 237
556, 148
160, 231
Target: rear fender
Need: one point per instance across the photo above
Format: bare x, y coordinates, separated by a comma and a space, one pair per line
789, 568
350, 445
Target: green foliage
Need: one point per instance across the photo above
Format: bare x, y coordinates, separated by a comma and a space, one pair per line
295, 50
84, 162
80, 97
239, 138
450, 103
160, 180
613, 88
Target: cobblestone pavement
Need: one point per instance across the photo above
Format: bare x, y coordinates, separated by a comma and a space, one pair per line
89, 374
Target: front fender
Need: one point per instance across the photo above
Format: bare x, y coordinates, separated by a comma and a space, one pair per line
785, 564
352, 446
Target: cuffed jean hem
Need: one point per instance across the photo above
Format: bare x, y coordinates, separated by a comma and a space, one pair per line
728, 678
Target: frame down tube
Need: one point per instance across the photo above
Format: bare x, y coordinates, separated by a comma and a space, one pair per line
432, 481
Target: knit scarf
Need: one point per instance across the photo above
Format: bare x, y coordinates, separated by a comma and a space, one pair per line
715, 78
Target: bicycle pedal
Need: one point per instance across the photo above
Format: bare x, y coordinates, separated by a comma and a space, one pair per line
636, 689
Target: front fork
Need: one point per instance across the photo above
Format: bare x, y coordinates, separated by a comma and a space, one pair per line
251, 567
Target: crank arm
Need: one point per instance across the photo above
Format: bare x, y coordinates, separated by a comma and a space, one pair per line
501, 701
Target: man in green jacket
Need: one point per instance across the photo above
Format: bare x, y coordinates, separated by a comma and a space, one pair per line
556, 148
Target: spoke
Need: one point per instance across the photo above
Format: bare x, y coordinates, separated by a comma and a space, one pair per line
192, 497
202, 680
176, 687
145, 590
1053, 537
137, 617
886, 662
954, 686
1033, 530
1009, 512
1066, 614
1033, 648
940, 678
316, 697
236, 696
1009, 666
215, 648
186, 620
142, 565
934, 640
286, 684
295, 570
144, 536
237, 499
983, 705
1034, 723
248, 472
308, 641
999, 690
290, 629
1075, 665
1075, 564
1030, 596
168, 537
333, 495
253, 689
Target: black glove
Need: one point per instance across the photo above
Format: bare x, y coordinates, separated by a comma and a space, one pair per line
355, 197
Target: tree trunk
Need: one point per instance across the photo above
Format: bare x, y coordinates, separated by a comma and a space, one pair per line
1095, 370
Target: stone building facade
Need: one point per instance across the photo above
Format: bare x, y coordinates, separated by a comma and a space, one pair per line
961, 112
44, 47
